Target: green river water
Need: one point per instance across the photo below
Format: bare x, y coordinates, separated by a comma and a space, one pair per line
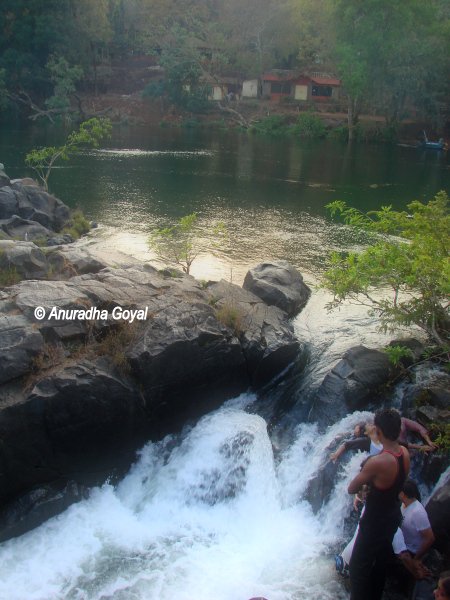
270, 192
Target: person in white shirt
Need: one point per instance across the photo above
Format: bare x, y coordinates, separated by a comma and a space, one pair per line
416, 528
412, 539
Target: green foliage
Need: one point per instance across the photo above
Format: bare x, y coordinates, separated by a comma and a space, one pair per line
78, 225
396, 354
89, 134
410, 257
180, 243
64, 77
442, 433
274, 125
176, 244
309, 126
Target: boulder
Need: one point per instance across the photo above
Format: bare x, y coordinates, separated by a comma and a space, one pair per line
20, 344
23, 229
182, 359
34, 200
438, 509
427, 415
318, 491
266, 336
278, 284
4, 179
23, 198
72, 415
78, 260
8, 202
25, 258
39, 505
353, 384
182, 352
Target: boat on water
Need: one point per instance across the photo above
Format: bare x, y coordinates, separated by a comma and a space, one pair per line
427, 144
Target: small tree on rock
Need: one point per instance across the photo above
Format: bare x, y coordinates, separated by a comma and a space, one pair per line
89, 134
180, 244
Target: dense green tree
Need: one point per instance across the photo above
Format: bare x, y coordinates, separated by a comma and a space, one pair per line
64, 77
404, 276
30, 31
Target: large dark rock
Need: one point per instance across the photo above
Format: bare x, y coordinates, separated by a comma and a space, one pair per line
278, 284
4, 179
68, 417
20, 344
183, 359
352, 384
265, 334
184, 351
37, 506
438, 509
32, 262
319, 488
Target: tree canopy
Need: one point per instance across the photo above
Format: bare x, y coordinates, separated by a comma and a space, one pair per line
388, 53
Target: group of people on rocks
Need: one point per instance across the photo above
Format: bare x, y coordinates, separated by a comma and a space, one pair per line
393, 521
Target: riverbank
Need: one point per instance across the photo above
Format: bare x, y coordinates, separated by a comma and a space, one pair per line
134, 109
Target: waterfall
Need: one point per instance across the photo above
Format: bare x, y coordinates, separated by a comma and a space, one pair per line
205, 515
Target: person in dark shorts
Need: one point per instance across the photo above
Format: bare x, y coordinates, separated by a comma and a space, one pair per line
385, 475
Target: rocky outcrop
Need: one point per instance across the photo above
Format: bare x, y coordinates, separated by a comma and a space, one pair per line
264, 332
29, 261
79, 383
28, 212
278, 284
38, 505
353, 384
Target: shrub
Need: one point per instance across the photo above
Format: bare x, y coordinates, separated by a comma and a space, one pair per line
9, 276
396, 354
115, 343
230, 316
78, 225
272, 125
309, 126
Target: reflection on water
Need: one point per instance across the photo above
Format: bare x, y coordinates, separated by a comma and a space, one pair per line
270, 193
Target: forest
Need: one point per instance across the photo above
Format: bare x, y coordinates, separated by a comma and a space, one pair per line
391, 56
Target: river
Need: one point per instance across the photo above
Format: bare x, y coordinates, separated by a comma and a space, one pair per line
218, 510
270, 192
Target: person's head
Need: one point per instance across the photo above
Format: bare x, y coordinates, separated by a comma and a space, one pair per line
442, 592
359, 429
370, 428
388, 423
409, 492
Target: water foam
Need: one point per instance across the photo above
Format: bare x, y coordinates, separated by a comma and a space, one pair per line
206, 515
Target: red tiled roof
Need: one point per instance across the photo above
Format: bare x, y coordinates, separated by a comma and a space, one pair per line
279, 76
325, 81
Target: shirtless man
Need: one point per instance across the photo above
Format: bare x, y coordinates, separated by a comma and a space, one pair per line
385, 474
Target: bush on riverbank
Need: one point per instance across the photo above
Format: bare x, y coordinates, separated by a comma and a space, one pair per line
78, 225
309, 126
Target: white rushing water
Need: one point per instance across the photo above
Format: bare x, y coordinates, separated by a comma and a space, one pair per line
206, 516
